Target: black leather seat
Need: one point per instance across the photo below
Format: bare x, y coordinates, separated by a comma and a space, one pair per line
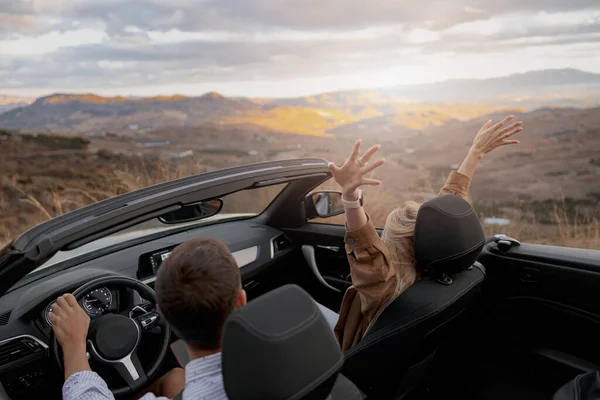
279, 346
583, 387
395, 354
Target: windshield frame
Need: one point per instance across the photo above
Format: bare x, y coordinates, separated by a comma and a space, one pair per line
37, 245
167, 229
92, 255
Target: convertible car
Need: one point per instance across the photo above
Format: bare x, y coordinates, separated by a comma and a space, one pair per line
527, 327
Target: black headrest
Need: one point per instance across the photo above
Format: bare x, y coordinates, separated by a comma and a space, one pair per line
279, 346
448, 235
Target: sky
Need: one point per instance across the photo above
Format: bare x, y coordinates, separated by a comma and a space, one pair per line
277, 48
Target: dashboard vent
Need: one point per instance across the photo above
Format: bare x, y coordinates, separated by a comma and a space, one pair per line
280, 244
18, 348
5, 316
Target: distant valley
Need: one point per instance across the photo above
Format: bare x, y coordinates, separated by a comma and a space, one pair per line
66, 150
402, 109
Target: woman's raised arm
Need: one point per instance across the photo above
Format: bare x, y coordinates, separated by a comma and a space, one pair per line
487, 139
350, 177
370, 263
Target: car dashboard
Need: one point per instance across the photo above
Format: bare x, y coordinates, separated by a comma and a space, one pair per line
255, 247
95, 303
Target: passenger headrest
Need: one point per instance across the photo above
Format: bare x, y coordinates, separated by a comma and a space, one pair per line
279, 346
448, 235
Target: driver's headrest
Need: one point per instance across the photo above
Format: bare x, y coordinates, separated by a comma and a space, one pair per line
448, 235
279, 346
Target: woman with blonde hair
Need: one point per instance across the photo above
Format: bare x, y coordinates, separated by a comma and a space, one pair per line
383, 268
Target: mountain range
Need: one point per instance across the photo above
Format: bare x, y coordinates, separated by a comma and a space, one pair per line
8, 103
400, 109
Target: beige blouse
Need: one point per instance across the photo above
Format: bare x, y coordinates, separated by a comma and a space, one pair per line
373, 277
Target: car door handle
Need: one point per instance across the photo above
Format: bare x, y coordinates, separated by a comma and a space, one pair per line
335, 249
309, 256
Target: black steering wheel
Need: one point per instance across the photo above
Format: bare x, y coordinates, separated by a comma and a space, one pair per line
113, 339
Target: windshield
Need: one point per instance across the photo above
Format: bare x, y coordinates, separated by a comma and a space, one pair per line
243, 204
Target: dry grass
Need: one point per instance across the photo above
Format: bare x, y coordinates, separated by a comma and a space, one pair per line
27, 202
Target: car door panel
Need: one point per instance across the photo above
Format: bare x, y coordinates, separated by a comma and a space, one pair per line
543, 301
333, 264
330, 252
328, 244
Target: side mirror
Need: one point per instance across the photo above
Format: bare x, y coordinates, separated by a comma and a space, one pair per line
193, 212
323, 204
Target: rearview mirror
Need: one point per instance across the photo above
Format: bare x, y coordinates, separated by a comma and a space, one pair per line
323, 204
193, 212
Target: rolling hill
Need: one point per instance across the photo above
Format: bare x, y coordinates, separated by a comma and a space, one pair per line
406, 120
401, 109
557, 156
559, 87
88, 112
8, 103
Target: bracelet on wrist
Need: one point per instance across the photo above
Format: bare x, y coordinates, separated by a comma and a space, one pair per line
353, 203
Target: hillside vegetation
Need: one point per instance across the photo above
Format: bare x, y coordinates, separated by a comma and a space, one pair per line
44, 178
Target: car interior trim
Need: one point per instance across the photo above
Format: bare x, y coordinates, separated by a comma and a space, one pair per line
309, 256
272, 244
242, 257
39, 341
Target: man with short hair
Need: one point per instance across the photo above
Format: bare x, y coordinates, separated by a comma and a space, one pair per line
197, 288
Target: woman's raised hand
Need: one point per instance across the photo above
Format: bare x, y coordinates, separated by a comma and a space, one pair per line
491, 136
351, 175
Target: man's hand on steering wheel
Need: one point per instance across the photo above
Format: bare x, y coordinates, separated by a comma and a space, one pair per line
112, 339
70, 324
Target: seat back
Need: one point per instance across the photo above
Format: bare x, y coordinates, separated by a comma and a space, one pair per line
395, 354
280, 346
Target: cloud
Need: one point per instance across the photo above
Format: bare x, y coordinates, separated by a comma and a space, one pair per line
519, 31
251, 15
10, 21
92, 44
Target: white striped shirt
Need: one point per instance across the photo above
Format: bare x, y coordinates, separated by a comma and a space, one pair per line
203, 380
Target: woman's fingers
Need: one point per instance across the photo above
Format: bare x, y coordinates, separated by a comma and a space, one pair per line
333, 168
373, 166
501, 123
370, 182
365, 159
487, 124
511, 127
511, 132
355, 152
505, 142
